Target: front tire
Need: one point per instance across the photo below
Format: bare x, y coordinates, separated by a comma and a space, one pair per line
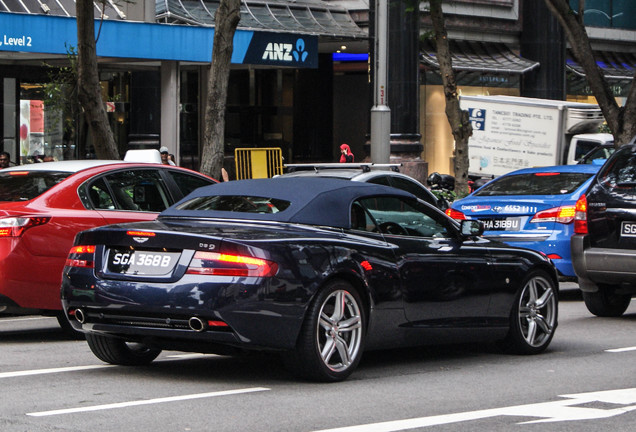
605, 302
331, 341
533, 318
119, 352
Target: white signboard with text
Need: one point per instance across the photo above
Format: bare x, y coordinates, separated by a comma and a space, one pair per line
507, 137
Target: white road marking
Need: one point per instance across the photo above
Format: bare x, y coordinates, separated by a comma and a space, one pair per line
50, 371
620, 350
102, 366
561, 410
7, 320
146, 402
189, 356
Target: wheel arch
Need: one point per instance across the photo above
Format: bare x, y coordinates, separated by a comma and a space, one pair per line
550, 271
356, 281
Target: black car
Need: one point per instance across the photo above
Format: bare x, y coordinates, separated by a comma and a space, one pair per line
316, 269
604, 244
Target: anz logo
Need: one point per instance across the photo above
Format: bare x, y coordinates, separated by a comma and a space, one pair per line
285, 52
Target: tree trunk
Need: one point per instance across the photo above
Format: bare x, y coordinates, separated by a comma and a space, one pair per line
89, 89
226, 20
621, 120
457, 118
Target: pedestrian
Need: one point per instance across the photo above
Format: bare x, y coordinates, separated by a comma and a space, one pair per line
5, 159
165, 156
345, 154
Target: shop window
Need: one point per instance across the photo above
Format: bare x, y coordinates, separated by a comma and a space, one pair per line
41, 131
608, 13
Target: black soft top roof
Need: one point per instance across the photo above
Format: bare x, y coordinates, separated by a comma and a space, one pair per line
314, 201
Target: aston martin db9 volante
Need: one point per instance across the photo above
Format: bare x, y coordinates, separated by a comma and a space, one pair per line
316, 269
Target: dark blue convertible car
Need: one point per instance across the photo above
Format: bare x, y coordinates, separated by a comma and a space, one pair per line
318, 270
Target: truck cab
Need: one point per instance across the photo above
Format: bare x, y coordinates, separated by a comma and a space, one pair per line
582, 144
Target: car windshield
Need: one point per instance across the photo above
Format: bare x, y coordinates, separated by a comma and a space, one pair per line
235, 203
600, 152
26, 185
543, 183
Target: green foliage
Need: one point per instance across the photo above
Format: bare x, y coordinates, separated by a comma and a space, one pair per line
60, 93
604, 128
448, 195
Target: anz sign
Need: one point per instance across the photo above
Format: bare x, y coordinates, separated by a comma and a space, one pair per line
283, 50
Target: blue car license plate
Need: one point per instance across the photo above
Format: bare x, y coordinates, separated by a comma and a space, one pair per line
139, 262
502, 224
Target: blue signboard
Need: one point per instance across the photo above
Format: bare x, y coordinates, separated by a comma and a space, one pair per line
137, 40
279, 49
477, 118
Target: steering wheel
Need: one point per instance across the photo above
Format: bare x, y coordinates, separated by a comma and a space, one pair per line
393, 228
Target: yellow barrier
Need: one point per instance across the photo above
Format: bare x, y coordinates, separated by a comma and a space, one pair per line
258, 162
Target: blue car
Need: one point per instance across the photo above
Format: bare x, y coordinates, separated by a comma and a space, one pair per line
531, 208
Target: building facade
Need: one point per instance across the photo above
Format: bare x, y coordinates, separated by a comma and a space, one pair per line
300, 79
154, 64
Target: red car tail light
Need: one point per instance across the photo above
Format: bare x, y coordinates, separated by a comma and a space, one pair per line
220, 264
563, 215
455, 214
141, 233
16, 226
580, 217
81, 256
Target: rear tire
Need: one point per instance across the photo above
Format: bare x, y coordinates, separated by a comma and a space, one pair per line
66, 326
605, 302
119, 352
331, 340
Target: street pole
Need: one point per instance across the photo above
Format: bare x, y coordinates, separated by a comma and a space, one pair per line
380, 112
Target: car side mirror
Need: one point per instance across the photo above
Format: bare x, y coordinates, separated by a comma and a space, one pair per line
471, 228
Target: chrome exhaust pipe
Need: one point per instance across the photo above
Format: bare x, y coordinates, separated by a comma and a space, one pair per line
79, 316
197, 324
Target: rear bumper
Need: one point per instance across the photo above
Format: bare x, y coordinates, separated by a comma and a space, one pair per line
170, 330
595, 266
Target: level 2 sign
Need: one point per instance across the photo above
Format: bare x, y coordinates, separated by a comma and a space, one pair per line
18, 41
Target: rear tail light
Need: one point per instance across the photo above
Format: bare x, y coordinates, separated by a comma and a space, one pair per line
563, 215
580, 217
455, 214
213, 263
141, 233
16, 226
81, 256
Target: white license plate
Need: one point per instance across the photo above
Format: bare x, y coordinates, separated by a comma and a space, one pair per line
503, 224
141, 262
628, 229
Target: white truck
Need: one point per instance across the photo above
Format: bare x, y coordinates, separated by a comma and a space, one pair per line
511, 132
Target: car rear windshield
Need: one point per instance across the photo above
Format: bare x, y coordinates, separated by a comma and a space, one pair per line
620, 174
544, 183
236, 203
26, 185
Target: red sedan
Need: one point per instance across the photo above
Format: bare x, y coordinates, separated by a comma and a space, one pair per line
43, 206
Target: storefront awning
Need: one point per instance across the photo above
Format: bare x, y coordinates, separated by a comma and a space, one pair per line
479, 57
38, 33
61, 8
313, 17
615, 65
